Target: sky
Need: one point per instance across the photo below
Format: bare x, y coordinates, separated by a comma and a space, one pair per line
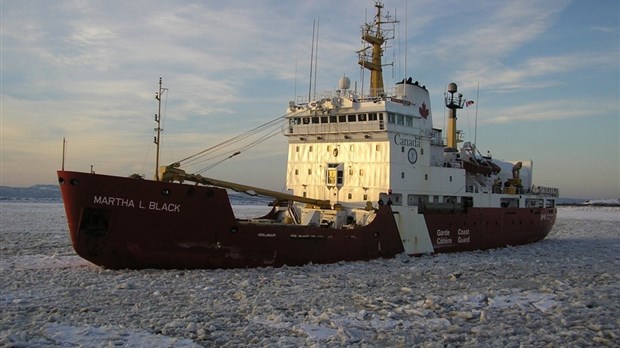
545, 76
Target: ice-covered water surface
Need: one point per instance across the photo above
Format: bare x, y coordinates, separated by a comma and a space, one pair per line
563, 291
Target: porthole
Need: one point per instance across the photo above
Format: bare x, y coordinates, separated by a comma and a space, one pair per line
165, 192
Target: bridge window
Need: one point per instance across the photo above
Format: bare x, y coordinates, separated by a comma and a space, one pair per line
342, 118
361, 117
352, 118
409, 121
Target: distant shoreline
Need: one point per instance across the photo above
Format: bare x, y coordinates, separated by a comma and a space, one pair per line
51, 193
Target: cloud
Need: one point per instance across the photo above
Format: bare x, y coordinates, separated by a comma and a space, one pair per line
536, 72
550, 110
605, 29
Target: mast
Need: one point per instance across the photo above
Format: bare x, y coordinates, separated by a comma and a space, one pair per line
374, 35
158, 129
453, 103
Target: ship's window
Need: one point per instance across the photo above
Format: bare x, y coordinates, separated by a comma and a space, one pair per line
378, 147
351, 148
351, 118
296, 171
421, 151
361, 172
315, 120
329, 148
400, 119
450, 178
309, 171
342, 118
350, 171
304, 194
372, 116
381, 116
365, 197
361, 117
310, 150
297, 149
332, 119
350, 195
323, 119
305, 120
402, 175
391, 118
402, 149
409, 121
425, 176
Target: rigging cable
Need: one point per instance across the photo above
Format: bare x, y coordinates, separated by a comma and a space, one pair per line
225, 143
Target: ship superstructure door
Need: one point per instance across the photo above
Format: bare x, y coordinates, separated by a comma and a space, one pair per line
335, 174
334, 179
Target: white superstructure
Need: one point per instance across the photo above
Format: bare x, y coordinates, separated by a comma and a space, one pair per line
352, 149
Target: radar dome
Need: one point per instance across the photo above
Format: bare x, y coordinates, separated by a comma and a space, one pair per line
344, 83
452, 87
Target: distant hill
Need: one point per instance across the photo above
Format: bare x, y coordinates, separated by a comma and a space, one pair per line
35, 192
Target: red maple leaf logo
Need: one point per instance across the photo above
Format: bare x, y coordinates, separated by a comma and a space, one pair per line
423, 110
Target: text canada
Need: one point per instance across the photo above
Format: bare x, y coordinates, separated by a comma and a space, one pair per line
129, 203
400, 140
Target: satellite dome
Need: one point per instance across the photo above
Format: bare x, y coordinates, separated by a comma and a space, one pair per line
452, 87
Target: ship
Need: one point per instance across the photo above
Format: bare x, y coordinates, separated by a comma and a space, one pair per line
368, 176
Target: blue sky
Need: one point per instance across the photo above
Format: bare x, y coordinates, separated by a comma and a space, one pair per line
548, 72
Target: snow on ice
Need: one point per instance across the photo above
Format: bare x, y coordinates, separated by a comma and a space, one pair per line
563, 291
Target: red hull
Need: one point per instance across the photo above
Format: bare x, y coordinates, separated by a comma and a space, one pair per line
118, 222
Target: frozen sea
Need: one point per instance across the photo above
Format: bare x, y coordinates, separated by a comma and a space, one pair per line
561, 292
